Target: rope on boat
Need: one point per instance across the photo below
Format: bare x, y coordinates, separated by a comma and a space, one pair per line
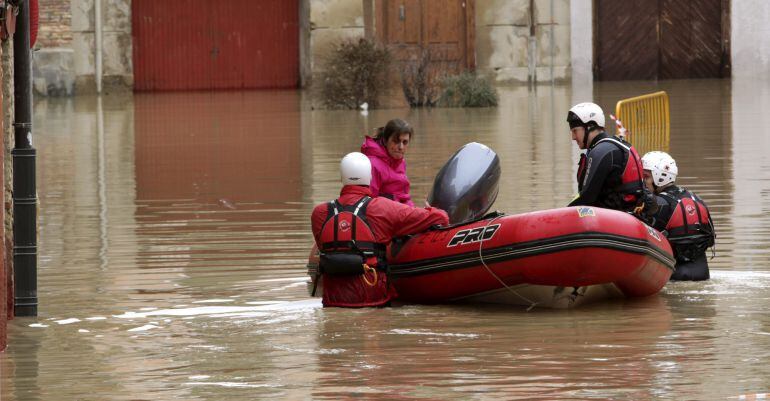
507, 287
368, 269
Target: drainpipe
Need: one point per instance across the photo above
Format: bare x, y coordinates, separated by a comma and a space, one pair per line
98, 40
532, 45
553, 42
24, 185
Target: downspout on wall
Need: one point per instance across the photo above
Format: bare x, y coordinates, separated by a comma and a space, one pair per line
98, 44
24, 184
532, 45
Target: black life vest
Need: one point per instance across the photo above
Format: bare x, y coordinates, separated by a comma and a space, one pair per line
690, 229
629, 193
347, 243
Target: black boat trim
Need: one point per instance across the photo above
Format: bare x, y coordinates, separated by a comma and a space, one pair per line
532, 248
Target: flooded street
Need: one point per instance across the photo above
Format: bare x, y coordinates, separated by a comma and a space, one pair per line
174, 233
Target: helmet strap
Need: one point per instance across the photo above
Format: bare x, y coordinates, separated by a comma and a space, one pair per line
585, 136
591, 126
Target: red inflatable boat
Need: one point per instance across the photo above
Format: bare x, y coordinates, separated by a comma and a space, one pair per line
553, 258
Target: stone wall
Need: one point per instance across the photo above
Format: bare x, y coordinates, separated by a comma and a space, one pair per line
516, 40
750, 38
5, 268
523, 40
52, 62
6, 64
328, 22
581, 41
117, 67
55, 24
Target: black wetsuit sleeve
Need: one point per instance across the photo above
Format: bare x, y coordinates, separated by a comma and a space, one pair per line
662, 215
600, 162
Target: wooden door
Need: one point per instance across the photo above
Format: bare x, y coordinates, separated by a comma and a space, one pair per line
445, 36
402, 28
626, 37
691, 39
441, 29
661, 39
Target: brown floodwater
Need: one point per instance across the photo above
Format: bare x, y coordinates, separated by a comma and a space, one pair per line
174, 231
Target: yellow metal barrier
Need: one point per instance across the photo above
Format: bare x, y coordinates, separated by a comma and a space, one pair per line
647, 120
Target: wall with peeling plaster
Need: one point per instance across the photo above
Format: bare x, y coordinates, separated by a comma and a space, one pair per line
523, 40
516, 40
750, 39
506, 49
322, 22
326, 23
116, 44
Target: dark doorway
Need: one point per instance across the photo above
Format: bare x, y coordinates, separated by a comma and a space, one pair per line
661, 39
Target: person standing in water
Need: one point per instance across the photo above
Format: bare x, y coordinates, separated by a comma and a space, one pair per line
681, 216
352, 233
386, 152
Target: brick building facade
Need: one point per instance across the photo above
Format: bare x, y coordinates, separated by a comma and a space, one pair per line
55, 24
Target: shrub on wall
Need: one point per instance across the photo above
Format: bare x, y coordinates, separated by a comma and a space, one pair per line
467, 90
356, 73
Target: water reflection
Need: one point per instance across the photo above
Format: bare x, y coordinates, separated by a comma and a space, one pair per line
218, 181
174, 232
751, 159
441, 356
218, 148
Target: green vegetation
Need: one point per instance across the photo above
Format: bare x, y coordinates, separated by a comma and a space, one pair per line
356, 73
467, 90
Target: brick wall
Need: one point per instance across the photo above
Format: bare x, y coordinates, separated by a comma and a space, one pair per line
6, 284
3, 272
55, 24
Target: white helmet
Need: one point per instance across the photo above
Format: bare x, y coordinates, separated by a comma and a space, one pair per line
662, 166
355, 169
585, 113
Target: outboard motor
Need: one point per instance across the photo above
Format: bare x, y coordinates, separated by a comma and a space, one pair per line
467, 185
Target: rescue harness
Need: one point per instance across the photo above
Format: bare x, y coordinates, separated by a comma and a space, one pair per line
347, 243
690, 229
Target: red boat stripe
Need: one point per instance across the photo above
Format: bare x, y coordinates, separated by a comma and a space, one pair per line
539, 247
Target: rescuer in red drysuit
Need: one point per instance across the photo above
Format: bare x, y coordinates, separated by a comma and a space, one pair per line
352, 232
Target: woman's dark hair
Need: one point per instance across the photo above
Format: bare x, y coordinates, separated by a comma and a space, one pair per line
395, 126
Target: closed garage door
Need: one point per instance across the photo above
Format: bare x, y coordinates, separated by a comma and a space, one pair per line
199, 44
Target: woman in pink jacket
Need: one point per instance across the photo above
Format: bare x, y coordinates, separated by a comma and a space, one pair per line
386, 152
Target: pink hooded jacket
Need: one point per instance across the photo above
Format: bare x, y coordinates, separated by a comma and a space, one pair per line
388, 174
